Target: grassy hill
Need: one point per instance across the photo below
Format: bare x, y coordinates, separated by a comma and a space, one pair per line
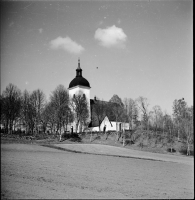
137, 140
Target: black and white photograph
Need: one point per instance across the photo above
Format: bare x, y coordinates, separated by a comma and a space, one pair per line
96, 99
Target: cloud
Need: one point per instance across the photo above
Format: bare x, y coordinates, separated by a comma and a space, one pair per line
66, 44
111, 36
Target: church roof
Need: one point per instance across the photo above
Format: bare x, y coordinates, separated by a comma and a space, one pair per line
94, 121
79, 79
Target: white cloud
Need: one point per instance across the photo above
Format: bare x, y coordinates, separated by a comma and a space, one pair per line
66, 44
111, 36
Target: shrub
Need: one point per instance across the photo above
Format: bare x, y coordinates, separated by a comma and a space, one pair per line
173, 150
128, 142
70, 135
40, 136
3, 130
74, 137
183, 150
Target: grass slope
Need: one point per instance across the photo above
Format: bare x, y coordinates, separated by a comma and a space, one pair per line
138, 140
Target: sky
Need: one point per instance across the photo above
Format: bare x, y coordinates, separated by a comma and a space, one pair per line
128, 48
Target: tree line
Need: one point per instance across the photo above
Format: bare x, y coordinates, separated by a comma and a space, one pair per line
33, 111
137, 113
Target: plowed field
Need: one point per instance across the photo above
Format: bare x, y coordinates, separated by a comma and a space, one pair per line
33, 171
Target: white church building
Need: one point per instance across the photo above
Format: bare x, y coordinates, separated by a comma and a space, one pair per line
80, 85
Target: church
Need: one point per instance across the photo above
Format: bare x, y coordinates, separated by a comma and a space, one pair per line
80, 85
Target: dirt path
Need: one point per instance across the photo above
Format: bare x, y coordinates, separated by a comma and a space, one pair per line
32, 171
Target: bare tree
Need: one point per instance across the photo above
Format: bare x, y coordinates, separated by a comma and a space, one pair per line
98, 111
131, 111
24, 110
10, 105
170, 131
179, 108
188, 132
66, 116
80, 108
28, 113
118, 111
60, 105
48, 117
143, 104
37, 99
183, 117
158, 117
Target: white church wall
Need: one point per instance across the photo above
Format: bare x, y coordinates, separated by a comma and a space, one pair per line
80, 128
95, 129
104, 122
120, 125
80, 89
77, 89
126, 126
84, 90
111, 125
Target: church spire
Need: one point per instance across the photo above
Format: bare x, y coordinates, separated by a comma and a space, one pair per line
79, 70
79, 63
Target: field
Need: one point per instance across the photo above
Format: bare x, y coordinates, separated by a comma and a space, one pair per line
32, 171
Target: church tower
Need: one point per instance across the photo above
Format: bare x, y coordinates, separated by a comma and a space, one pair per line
80, 85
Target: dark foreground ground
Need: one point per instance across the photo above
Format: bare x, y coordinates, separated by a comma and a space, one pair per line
33, 171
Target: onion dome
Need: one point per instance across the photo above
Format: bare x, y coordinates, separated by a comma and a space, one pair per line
79, 80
